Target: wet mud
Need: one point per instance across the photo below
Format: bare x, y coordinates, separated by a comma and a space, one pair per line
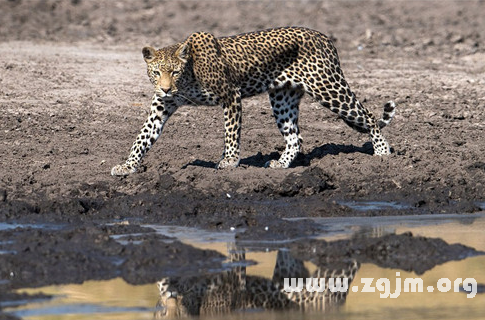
74, 93
404, 251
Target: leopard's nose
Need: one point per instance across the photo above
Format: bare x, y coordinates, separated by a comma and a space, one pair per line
171, 294
166, 90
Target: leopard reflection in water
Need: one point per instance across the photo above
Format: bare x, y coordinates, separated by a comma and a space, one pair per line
233, 290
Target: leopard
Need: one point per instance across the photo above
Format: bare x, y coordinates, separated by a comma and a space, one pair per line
234, 290
286, 62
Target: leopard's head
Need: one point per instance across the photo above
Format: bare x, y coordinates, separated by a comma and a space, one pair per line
168, 69
170, 304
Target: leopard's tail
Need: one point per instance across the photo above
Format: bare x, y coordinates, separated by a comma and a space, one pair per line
388, 114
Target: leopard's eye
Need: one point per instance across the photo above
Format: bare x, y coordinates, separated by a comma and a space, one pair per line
156, 73
175, 72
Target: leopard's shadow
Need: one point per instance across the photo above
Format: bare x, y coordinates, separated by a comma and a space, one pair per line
303, 159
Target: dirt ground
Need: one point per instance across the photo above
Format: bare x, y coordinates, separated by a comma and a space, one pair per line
74, 93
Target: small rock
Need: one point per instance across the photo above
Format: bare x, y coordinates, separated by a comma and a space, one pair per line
457, 38
368, 34
428, 42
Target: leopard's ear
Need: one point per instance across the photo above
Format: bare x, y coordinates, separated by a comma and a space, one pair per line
148, 54
183, 52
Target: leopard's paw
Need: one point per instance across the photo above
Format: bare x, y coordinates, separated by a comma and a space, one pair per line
382, 152
382, 148
228, 163
122, 170
274, 164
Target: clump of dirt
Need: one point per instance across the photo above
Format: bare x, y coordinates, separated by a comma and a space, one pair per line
39, 257
273, 229
403, 251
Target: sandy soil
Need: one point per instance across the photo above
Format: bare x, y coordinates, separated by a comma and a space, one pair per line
74, 93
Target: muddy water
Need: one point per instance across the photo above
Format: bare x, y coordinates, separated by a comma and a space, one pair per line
115, 299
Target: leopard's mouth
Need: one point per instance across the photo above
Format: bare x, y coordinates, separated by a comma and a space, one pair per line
170, 94
171, 301
163, 94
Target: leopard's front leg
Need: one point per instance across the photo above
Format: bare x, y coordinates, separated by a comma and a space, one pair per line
160, 111
232, 130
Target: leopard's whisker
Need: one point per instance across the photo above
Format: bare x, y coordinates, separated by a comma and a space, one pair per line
186, 98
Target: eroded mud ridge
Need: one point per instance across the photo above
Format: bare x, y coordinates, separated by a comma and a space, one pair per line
74, 93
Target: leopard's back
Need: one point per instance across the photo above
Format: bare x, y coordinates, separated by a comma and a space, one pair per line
259, 58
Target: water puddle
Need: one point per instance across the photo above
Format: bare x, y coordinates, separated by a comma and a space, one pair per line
10, 226
111, 299
427, 225
254, 290
374, 205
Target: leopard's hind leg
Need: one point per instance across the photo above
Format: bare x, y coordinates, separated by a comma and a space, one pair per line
329, 87
341, 100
